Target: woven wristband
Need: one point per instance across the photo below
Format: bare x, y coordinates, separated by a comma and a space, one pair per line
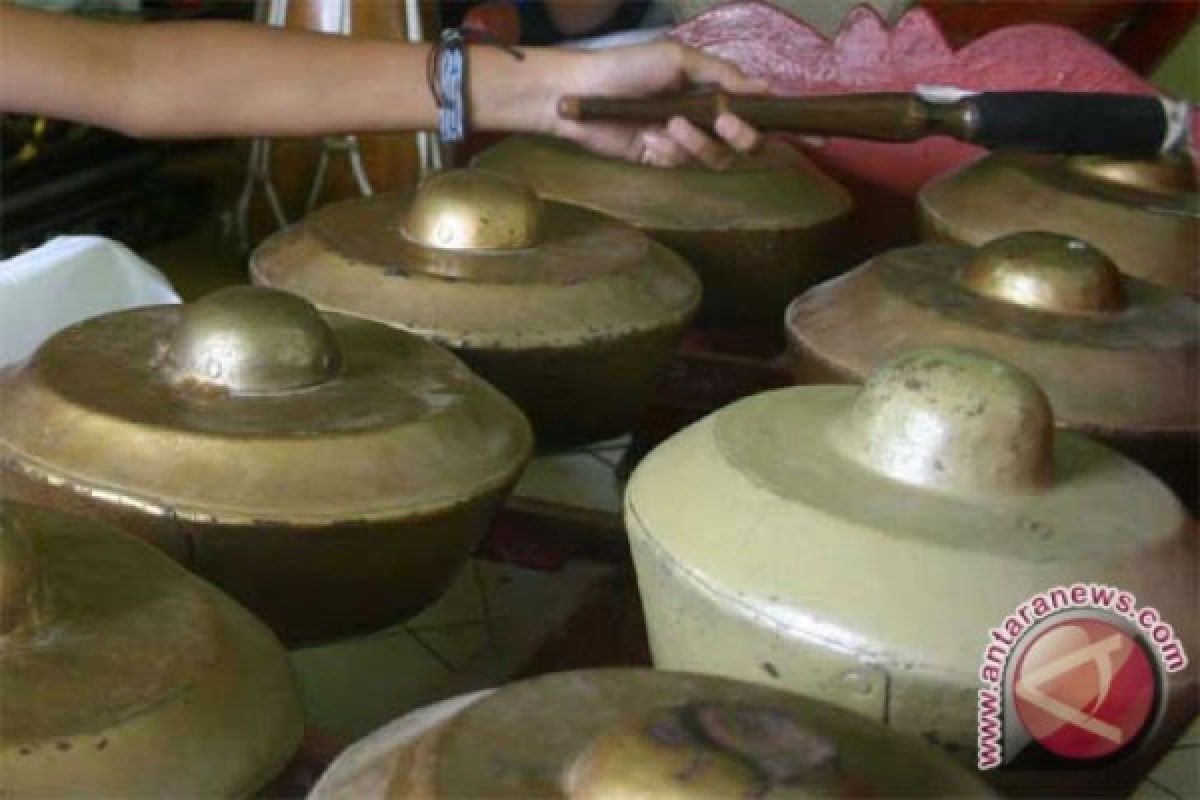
446, 72
449, 82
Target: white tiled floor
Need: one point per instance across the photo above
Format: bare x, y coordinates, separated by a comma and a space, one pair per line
478, 635
1177, 776
581, 477
482, 631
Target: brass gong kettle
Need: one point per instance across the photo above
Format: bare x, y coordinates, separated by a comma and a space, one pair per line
572, 315
858, 544
124, 676
637, 734
331, 473
757, 234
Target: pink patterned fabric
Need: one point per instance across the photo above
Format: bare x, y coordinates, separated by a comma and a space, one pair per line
867, 56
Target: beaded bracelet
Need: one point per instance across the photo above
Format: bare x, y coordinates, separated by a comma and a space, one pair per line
446, 72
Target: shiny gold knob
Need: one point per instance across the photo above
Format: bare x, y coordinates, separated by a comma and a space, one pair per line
247, 339
477, 210
1168, 174
18, 577
703, 751
1045, 271
952, 420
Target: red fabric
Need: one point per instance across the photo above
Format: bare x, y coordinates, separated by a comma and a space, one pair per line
866, 56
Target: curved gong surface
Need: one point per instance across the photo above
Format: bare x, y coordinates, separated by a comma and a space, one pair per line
128, 657
402, 429
756, 234
578, 245
603, 734
1130, 370
857, 544
569, 313
589, 282
1151, 230
767, 192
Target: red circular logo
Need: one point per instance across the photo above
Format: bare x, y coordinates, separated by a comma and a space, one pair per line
1084, 688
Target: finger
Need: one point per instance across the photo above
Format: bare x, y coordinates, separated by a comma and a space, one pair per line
702, 68
706, 149
659, 150
737, 134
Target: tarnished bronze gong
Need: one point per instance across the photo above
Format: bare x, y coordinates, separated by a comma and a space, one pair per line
1145, 215
758, 233
1118, 357
329, 472
857, 545
640, 735
570, 314
124, 676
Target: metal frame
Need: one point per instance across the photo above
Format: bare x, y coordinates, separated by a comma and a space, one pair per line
258, 172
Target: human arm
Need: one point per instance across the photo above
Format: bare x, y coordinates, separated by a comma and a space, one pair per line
198, 79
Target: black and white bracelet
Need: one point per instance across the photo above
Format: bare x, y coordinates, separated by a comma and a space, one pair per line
446, 72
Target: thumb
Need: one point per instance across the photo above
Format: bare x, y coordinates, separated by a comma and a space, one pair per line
702, 68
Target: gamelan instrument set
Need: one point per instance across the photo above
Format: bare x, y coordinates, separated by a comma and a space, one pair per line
1006, 405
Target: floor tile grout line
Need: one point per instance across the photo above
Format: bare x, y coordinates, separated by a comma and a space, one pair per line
428, 648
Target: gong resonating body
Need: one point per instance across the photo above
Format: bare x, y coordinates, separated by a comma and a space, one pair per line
124, 676
758, 233
569, 313
1118, 357
1144, 215
629, 734
857, 545
330, 473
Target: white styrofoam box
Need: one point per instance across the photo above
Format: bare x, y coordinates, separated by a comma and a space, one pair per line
67, 280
